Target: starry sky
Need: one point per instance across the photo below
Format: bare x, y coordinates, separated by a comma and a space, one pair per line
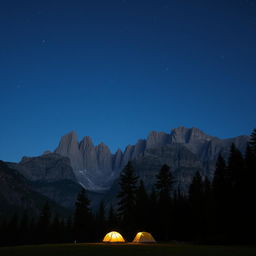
117, 69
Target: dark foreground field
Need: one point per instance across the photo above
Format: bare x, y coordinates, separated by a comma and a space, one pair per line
126, 249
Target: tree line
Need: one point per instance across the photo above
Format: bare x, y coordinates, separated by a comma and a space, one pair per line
221, 210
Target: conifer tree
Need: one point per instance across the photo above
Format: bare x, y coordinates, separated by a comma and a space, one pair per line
221, 191
235, 167
207, 207
127, 198
127, 194
82, 218
220, 178
141, 208
164, 187
196, 200
164, 183
221, 187
237, 177
196, 190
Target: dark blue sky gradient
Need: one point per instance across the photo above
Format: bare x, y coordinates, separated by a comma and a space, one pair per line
115, 70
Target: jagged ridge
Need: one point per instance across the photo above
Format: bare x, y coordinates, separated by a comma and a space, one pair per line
95, 167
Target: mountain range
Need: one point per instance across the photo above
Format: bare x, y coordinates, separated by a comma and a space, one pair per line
186, 150
60, 175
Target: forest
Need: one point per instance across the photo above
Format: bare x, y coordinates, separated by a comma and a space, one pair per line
217, 211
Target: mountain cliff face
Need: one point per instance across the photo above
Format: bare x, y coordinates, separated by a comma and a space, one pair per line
96, 168
183, 162
49, 167
52, 176
17, 194
92, 165
205, 147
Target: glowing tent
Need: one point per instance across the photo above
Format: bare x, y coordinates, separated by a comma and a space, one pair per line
144, 237
113, 237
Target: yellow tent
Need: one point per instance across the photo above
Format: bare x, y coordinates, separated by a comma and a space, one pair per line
113, 237
144, 237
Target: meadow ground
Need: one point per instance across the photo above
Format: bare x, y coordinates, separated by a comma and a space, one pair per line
100, 249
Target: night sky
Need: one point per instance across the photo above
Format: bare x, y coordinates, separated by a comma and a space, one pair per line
115, 70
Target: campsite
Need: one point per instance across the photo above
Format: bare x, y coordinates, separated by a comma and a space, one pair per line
127, 249
128, 128
114, 243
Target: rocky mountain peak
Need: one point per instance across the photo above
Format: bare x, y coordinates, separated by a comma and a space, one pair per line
67, 143
188, 135
86, 143
71, 135
197, 134
139, 148
68, 146
157, 139
102, 147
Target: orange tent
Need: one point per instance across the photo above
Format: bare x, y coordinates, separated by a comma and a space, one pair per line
144, 237
113, 237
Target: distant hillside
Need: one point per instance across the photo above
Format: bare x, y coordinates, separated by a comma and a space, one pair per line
17, 195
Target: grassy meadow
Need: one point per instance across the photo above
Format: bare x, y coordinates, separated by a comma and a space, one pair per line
101, 249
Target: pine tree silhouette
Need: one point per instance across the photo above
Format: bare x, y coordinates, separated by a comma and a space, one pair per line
127, 199
164, 187
82, 218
